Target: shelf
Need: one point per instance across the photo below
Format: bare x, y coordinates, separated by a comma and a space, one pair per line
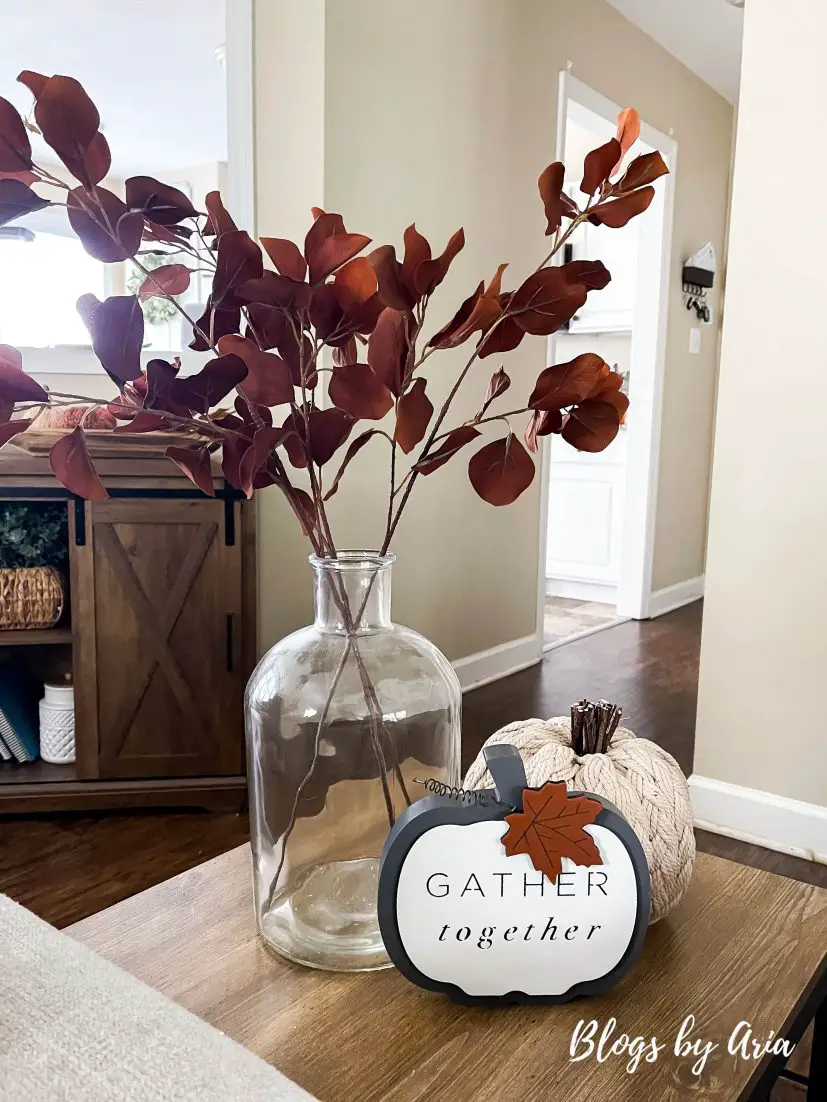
37, 637
35, 772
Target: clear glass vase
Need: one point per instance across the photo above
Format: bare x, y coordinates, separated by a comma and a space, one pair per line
345, 718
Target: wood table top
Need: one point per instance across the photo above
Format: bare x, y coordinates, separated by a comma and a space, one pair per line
743, 945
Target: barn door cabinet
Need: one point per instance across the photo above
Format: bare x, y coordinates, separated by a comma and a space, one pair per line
160, 641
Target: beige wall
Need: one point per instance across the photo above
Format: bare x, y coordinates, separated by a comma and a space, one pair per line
764, 649
444, 111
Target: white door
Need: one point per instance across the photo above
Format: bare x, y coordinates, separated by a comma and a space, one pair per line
585, 521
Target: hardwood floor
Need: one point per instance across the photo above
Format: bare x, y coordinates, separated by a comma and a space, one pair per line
67, 867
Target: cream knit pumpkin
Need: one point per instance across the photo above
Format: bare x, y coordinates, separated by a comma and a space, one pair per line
644, 782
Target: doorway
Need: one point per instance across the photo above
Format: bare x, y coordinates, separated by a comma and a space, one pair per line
598, 510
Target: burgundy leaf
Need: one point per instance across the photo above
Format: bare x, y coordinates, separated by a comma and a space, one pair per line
64, 113
72, 467
10, 429
501, 471
551, 192
417, 251
220, 220
547, 300
346, 353
145, 421
567, 383
294, 439
160, 376
505, 336
355, 284
238, 260
453, 334
599, 165
299, 358
271, 289
451, 444
233, 450
160, 203
593, 274
16, 199
250, 414
592, 426
15, 384
24, 176
327, 317
628, 132
169, 279
476, 315
117, 329
413, 415
617, 212
392, 290
499, 384
268, 381
242, 460
35, 82
643, 170
90, 165
388, 349
267, 325
333, 253
286, 256
355, 389
542, 423
107, 230
354, 447
15, 147
215, 322
431, 273
196, 465
329, 428
216, 379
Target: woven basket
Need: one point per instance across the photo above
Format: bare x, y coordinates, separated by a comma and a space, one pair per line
30, 597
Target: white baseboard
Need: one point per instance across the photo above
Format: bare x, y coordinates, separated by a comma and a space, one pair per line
676, 596
490, 665
584, 634
761, 818
576, 590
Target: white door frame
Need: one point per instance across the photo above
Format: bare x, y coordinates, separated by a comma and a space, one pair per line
238, 79
648, 365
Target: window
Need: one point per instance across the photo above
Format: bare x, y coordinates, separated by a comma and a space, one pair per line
43, 273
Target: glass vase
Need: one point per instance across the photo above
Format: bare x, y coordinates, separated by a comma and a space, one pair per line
345, 720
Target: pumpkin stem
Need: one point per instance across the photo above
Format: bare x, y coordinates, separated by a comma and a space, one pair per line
593, 725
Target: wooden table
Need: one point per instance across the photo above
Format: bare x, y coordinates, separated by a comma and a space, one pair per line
743, 945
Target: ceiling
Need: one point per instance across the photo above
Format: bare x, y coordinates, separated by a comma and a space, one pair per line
149, 65
704, 34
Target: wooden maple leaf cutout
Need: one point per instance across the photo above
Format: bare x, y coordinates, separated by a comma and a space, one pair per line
550, 827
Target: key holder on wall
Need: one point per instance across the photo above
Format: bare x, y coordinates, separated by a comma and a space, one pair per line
697, 278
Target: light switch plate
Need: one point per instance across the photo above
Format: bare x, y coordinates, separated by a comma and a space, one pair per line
694, 340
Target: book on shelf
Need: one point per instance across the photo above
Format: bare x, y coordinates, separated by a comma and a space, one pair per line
19, 723
5, 753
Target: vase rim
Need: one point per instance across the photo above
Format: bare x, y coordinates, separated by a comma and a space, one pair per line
353, 560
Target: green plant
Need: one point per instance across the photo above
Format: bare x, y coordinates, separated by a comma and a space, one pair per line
33, 534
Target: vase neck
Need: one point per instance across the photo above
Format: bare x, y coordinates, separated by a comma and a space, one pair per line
353, 592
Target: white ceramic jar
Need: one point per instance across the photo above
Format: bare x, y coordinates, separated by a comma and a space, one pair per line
57, 723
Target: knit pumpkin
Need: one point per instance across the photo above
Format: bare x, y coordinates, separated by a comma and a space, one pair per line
639, 777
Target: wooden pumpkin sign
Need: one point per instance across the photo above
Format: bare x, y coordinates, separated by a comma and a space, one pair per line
513, 894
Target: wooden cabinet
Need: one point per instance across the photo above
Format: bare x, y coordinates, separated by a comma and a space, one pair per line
159, 607
162, 643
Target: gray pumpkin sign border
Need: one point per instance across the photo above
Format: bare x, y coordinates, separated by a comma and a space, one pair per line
508, 772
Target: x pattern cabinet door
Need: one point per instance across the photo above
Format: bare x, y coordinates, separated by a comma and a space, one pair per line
164, 638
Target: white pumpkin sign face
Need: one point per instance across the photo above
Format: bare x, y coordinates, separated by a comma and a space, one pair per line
472, 918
